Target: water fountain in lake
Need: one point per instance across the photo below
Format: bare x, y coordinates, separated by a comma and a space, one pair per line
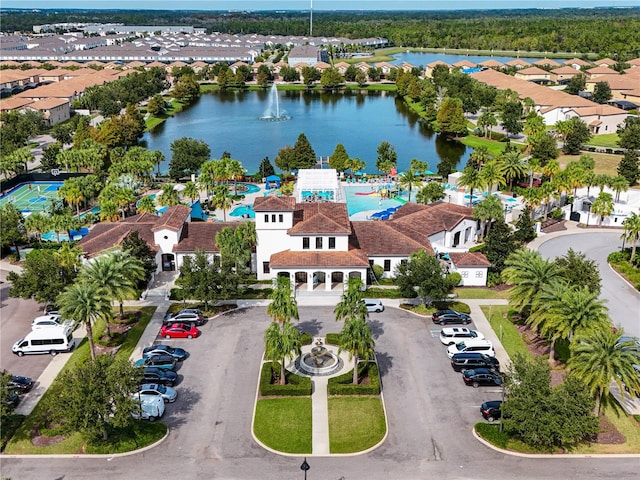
321, 360
273, 112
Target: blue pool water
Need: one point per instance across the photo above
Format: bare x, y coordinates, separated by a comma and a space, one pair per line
241, 210
250, 188
361, 203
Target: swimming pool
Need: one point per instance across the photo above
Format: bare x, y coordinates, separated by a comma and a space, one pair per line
242, 211
357, 202
248, 188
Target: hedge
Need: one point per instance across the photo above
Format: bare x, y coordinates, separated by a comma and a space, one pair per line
384, 293
342, 384
296, 386
333, 338
306, 339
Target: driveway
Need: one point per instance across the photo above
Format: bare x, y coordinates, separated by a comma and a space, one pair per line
430, 412
622, 300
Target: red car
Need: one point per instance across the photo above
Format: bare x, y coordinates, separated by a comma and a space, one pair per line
179, 330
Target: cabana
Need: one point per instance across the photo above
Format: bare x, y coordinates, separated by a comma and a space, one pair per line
318, 185
273, 181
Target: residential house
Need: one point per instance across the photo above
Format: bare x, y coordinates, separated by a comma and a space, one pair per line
55, 110
534, 74
518, 63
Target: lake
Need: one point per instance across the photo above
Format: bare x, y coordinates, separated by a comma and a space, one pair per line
421, 59
230, 121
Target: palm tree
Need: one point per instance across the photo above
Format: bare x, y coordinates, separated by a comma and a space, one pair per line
72, 194
409, 179
191, 191
221, 199
533, 165
486, 120
546, 191
566, 310
487, 211
619, 184
283, 305
108, 211
631, 232
146, 205
600, 358
603, 206
529, 274
169, 196
69, 257
551, 169
532, 197
351, 306
357, 339
281, 344
492, 174
513, 167
479, 157
470, 178
235, 171
123, 198
37, 223
85, 302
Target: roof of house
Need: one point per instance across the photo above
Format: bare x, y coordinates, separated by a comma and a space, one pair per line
576, 61
273, 203
173, 218
532, 71
106, 235
547, 61
565, 70
48, 103
319, 258
320, 218
201, 236
388, 238
433, 218
469, 259
518, 62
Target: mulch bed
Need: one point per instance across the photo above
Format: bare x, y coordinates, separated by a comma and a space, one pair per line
554, 226
608, 433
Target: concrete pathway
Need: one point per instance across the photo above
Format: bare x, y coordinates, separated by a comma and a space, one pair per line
320, 416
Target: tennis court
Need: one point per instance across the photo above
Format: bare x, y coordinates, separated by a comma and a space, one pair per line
32, 197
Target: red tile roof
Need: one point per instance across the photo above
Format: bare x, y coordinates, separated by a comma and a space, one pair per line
317, 258
320, 218
106, 235
274, 204
173, 218
469, 259
201, 236
433, 218
388, 238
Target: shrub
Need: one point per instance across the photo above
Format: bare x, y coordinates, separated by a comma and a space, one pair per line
378, 271
457, 306
342, 384
477, 248
333, 338
384, 293
557, 214
616, 257
419, 309
493, 279
296, 386
306, 339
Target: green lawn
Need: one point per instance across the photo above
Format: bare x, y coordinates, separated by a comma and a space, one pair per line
284, 424
606, 163
495, 148
605, 140
355, 423
506, 331
481, 293
75, 443
626, 425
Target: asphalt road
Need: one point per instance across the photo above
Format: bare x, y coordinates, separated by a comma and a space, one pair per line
622, 300
430, 413
16, 315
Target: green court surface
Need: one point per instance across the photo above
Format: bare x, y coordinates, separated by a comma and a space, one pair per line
32, 197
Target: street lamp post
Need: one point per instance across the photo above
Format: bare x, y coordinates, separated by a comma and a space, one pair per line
305, 467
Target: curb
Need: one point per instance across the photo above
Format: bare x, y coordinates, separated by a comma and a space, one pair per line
560, 456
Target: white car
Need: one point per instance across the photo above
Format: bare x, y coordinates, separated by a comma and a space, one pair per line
471, 345
451, 335
373, 305
167, 394
48, 321
150, 407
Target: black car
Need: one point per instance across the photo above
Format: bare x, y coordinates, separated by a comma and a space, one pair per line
20, 384
10, 397
445, 317
491, 410
159, 375
481, 376
468, 360
178, 353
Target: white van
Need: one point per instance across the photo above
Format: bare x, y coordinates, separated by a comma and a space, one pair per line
45, 340
471, 345
151, 407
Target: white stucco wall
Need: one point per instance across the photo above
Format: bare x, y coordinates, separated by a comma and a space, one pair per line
472, 276
297, 242
394, 262
166, 239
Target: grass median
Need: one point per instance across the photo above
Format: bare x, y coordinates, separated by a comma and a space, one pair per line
355, 423
284, 424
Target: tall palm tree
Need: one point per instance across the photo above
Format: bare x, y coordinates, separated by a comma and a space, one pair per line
191, 191
283, 306
281, 344
533, 165
487, 211
532, 197
357, 339
235, 171
551, 169
351, 306
37, 223
602, 206
619, 184
565, 310
470, 178
600, 358
546, 190
492, 174
409, 179
169, 196
221, 199
72, 194
631, 232
513, 167
529, 274
108, 211
486, 120
85, 302
479, 157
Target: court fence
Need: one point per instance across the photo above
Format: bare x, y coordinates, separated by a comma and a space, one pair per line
6, 185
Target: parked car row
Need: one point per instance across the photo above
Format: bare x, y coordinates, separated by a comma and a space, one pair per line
472, 355
15, 388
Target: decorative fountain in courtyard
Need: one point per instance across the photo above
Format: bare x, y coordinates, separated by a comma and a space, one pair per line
273, 113
321, 360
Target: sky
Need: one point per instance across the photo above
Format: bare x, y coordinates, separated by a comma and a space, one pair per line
317, 4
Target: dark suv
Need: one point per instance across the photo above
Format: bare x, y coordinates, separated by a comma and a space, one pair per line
159, 375
445, 317
464, 361
481, 376
491, 410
